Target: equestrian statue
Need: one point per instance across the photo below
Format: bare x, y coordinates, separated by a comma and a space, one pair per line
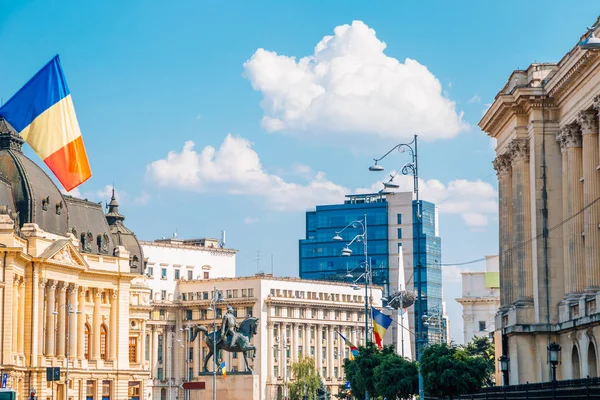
231, 337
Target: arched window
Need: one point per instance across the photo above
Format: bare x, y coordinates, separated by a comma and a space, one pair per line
103, 341
163, 394
592, 363
575, 363
87, 339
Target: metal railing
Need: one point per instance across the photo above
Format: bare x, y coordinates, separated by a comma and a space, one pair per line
588, 388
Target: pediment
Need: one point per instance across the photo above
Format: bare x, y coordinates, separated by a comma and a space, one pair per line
63, 252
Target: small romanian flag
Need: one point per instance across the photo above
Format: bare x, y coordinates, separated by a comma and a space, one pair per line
381, 323
42, 113
223, 369
353, 349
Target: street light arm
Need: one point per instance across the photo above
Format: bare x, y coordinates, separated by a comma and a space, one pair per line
398, 146
351, 224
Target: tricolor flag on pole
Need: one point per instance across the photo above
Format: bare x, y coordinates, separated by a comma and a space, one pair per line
353, 349
42, 113
223, 369
380, 324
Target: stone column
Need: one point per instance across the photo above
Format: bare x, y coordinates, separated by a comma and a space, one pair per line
270, 350
50, 319
22, 317
571, 135
15, 315
154, 360
567, 267
519, 149
73, 306
331, 349
112, 334
62, 319
43, 325
81, 325
294, 342
143, 346
307, 340
318, 349
502, 165
95, 345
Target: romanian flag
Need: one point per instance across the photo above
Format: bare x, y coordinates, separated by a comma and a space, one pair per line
381, 322
223, 369
353, 348
43, 114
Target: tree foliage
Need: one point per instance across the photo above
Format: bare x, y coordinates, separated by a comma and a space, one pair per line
484, 347
381, 373
449, 370
306, 380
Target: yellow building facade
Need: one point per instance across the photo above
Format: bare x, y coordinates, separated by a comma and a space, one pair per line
71, 290
545, 122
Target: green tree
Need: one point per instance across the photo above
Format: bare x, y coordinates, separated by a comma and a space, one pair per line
449, 370
360, 371
343, 392
306, 380
484, 347
396, 377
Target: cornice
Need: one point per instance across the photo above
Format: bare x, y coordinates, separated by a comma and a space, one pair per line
557, 87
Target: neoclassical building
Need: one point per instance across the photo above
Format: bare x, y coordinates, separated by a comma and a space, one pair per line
545, 120
296, 318
71, 288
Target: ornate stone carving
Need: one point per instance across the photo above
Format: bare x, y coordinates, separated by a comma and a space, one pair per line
63, 286
596, 103
74, 231
102, 242
52, 284
569, 136
519, 149
42, 283
502, 164
59, 207
115, 294
64, 256
86, 241
588, 120
73, 288
45, 202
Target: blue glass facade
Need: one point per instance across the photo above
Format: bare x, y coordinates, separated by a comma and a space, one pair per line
320, 255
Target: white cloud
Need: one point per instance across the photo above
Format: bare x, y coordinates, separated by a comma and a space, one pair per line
250, 220
143, 199
474, 99
350, 86
236, 168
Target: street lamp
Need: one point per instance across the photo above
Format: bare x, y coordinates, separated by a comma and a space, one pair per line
346, 252
503, 363
590, 42
70, 310
216, 298
554, 357
411, 168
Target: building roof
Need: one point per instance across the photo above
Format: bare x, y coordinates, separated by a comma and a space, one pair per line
29, 195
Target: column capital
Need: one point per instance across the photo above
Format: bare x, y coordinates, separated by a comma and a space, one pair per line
115, 294
502, 164
42, 283
588, 120
596, 103
73, 288
569, 136
518, 150
98, 293
52, 284
63, 286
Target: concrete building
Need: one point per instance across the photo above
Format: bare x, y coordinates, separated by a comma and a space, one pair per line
547, 116
72, 289
296, 318
480, 300
392, 241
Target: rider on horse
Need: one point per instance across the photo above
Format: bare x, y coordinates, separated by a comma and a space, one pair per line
229, 325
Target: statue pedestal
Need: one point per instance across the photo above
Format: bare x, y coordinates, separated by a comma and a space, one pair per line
236, 386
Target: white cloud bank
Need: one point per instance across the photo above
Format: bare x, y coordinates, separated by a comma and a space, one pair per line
235, 168
349, 85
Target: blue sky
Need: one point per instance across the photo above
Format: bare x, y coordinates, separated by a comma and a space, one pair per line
148, 76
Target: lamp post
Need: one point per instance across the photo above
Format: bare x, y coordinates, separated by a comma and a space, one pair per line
503, 363
591, 41
216, 298
554, 357
346, 252
411, 168
70, 310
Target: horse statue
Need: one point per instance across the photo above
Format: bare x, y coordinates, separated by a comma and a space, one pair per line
248, 328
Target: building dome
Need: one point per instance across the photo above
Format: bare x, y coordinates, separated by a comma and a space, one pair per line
35, 196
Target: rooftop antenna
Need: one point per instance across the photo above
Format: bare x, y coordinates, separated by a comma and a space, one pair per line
222, 239
257, 261
175, 234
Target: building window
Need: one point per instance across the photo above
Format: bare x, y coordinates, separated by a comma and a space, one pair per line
191, 352
399, 216
324, 371
134, 391
203, 314
163, 273
336, 372
204, 295
206, 274
103, 343
160, 348
219, 313
250, 292
245, 292
324, 353
300, 351
277, 311
248, 311
163, 295
147, 348
235, 293
188, 315
177, 272
481, 326
190, 374
106, 390
312, 332
150, 271
90, 389
324, 335
399, 233
161, 314
86, 341
228, 293
183, 296
312, 351
190, 275
299, 333
132, 349
159, 375
276, 371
